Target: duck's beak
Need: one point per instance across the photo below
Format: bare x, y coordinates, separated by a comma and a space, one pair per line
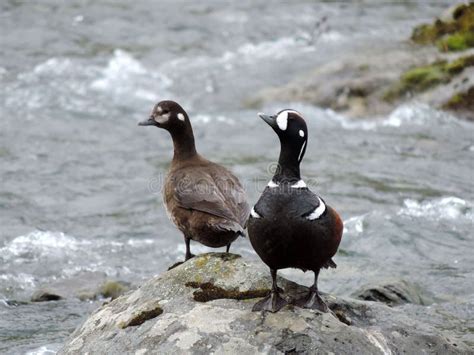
268, 119
149, 122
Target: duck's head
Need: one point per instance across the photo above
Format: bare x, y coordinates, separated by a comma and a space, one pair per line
168, 115
291, 128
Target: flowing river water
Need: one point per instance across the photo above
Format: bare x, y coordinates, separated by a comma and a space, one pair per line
80, 181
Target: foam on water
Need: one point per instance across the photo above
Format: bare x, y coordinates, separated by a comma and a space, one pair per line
71, 85
125, 75
44, 350
205, 119
39, 244
441, 208
411, 114
354, 225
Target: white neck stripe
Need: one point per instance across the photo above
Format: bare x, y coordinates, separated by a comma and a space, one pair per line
299, 185
272, 184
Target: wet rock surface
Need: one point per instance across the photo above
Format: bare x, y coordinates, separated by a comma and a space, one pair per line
204, 305
393, 293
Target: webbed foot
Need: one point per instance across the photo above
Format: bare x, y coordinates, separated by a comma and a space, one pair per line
272, 303
313, 301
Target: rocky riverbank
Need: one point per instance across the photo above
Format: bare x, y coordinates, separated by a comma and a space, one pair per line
435, 66
204, 305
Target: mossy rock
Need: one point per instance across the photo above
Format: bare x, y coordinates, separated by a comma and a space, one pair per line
113, 289
456, 42
461, 101
455, 34
422, 78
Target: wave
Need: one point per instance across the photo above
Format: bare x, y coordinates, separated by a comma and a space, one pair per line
73, 86
354, 225
125, 75
410, 114
446, 208
44, 350
39, 244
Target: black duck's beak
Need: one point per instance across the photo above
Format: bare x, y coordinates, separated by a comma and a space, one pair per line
149, 122
269, 119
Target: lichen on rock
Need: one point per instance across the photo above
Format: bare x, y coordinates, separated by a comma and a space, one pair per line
163, 316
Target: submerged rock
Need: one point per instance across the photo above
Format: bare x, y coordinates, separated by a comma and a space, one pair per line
204, 306
85, 286
393, 293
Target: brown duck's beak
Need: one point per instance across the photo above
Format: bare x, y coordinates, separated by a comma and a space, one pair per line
149, 122
271, 120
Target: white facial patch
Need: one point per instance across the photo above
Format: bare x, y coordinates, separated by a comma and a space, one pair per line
159, 109
271, 184
162, 119
318, 211
282, 120
181, 117
254, 214
301, 133
299, 185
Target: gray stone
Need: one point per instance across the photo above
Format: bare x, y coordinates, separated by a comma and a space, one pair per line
204, 306
84, 286
394, 293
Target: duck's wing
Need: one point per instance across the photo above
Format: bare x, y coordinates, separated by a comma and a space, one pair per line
213, 190
302, 203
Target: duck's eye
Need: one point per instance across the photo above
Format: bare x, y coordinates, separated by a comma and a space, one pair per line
164, 112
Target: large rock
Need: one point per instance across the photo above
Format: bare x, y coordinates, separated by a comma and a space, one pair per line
204, 306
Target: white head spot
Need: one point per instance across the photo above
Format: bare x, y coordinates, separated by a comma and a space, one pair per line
181, 116
282, 120
301, 133
159, 109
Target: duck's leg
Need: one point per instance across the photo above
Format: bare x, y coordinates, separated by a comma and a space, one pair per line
188, 256
313, 300
273, 302
227, 248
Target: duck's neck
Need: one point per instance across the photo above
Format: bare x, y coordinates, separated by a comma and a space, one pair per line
183, 142
288, 165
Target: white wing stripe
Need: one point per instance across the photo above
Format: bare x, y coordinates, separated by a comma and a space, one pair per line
318, 211
254, 214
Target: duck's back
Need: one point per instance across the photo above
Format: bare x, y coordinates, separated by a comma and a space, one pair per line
201, 185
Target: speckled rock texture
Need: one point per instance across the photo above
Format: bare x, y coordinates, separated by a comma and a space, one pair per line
204, 306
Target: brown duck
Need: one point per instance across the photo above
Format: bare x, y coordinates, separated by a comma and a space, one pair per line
203, 199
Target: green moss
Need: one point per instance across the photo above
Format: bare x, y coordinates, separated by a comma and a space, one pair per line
454, 35
209, 292
422, 78
113, 289
458, 65
456, 42
461, 101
